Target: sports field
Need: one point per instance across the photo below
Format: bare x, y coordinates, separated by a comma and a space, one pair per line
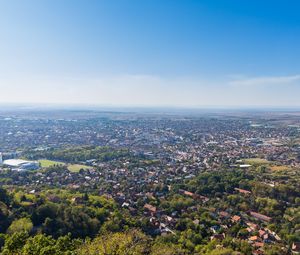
47, 163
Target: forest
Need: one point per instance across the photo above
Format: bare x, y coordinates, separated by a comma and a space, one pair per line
67, 221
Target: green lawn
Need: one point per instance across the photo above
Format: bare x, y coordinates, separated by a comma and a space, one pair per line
77, 167
47, 163
280, 168
253, 161
71, 167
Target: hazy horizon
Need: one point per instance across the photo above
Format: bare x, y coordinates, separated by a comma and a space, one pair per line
137, 108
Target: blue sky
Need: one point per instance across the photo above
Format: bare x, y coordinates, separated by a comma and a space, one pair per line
150, 52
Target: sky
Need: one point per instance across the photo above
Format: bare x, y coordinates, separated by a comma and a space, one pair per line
174, 53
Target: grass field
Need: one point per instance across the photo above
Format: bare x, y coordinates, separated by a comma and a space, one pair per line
71, 167
77, 167
253, 161
280, 168
48, 163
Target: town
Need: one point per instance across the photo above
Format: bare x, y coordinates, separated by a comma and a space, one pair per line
218, 179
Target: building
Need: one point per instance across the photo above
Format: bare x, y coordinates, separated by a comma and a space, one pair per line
21, 165
243, 191
260, 216
296, 248
150, 208
245, 166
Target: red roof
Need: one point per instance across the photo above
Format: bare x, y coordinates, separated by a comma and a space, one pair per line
187, 193
258, 244
253, 238
149, 207
243, 191
261, 232
223, 214
235, 218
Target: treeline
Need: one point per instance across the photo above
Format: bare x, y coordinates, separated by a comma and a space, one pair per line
54, 214
79, 154
131, 242
215, 183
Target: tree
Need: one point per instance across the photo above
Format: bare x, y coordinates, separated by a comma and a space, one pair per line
85, 197
2, 240
275, 250
66, 243
222, 251
4, 196
132, 242
167, 249
40, 245
4, 214
14, 243
23, 224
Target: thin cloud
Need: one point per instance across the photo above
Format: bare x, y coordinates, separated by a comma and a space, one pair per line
267, 80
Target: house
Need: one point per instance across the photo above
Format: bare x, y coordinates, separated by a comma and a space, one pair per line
243, 191
194, 196
196, 222
187, 193
258, 244
266, 238
261, 232
252, 226
224, 214
125, 204
132, 210
296, 248
235, 218
258, 252
77, 200
218, 237
260, 216
150, 208
254, 238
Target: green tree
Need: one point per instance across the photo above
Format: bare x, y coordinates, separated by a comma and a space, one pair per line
132, 242
23, 224
14, 243
4, 197
167, 249
40, 245
222, 251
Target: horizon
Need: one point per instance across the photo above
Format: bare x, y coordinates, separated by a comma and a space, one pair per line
35, 107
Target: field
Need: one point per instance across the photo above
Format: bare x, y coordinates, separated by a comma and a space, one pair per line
256, 161
280, 168
77, 167
47, 163
270, 165
71, 167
